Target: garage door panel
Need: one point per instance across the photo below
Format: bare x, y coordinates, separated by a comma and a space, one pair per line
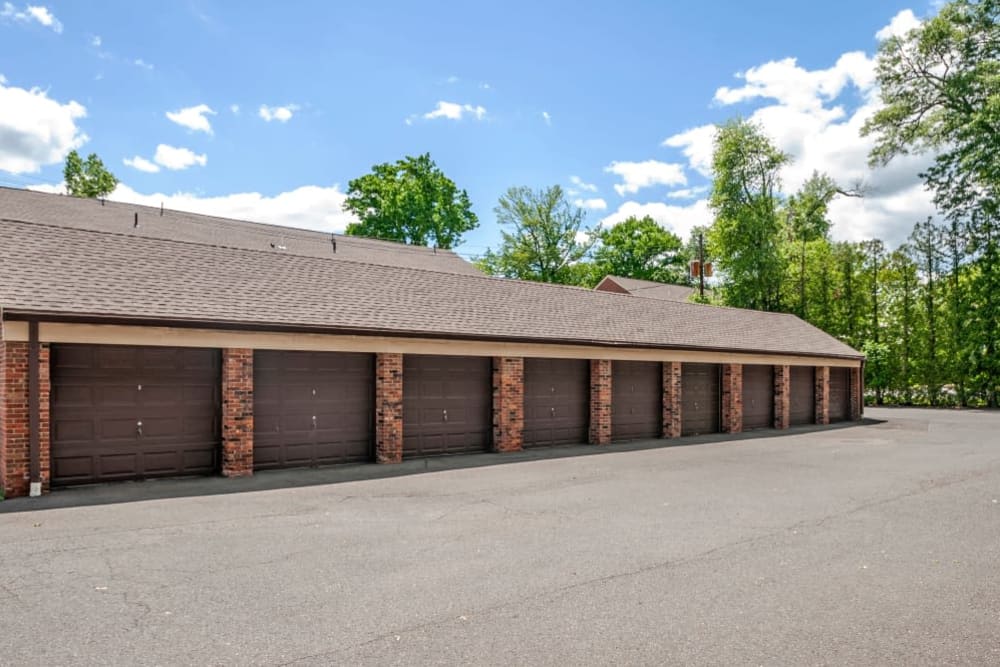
758, 397
458, 386
700, 398
803, 395
839, 394
556, 401
97, 404
636, 400
291, 388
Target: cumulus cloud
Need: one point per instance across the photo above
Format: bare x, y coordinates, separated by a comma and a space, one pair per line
142, 164
174, 158
901, 23
678, 219
36, 130
455, 111
31, 13
282, 114
687, 193
139, 62
193, 118
638, 175
816, 116
578, 185
547, 117
594, 204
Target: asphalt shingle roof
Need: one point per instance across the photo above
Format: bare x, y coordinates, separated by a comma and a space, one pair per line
649, 289
59, 269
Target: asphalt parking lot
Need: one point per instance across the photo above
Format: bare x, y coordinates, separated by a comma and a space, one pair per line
867, 544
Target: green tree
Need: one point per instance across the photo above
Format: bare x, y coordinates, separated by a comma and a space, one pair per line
878, 368
747, 233
542, 238
410, 201
640, 248
87, 178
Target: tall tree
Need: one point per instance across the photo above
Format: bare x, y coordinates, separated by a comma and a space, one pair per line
746, 234
542, 237
410, 201
88, 178
925, 242
640, 248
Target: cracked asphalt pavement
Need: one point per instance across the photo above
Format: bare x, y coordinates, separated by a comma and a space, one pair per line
872, 544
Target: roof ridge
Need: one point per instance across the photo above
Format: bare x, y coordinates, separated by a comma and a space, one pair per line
209, 218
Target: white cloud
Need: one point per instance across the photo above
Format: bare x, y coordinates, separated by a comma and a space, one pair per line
36, 130
142, 164
814, 116
580, 186
139, 62
455, 111
485, 86
37, 13
96, 41
178, 158
193, 118
901, 23
678, 219
547, 117
235, 108
637, 175
282, 114
451, 79
687, 193
594, 204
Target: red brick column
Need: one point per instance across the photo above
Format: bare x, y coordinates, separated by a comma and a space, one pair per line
822, 394
15, 437
508, 404
389, 407
671, 399
782, 396
732, 398
237, 412
600, 401
856, 393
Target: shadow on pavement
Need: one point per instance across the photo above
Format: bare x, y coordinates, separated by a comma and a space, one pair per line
159, 489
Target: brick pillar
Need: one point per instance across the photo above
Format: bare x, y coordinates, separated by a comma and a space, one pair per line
389, 407
856, 393
671, 399
15, 436
782, 396
732, 398
822, 394
508, 404
600, 401
237, 412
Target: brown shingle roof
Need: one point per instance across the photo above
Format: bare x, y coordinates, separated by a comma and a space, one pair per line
649, 289
62, 270
119, 218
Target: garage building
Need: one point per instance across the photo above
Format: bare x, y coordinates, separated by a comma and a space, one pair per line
140, 343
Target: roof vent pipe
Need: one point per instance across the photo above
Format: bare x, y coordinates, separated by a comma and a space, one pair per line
333, 241
135, 222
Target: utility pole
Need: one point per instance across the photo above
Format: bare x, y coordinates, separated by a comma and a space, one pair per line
701, 265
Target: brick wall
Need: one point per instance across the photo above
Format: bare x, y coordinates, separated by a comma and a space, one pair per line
822, 394
508, 404
671, 399
15, 438
856, 389
237, 412
388, 407
600, 401
782, 396
732, 398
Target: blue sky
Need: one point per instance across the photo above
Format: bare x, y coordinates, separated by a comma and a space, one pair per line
280, 97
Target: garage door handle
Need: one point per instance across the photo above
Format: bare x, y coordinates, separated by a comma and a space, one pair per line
553, 412
138, 429
314, 421
444, 414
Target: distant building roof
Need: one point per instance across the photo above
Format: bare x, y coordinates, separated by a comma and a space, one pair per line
646, 288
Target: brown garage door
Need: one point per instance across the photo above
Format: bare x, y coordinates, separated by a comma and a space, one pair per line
312, 408
803, 395
636, 400
124, 413
758, 396
840, 394
447, 405
700, 398
556, 401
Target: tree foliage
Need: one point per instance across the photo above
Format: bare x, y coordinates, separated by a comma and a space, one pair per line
542, 238
87, 178
410, 201
747, 233
640, 248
